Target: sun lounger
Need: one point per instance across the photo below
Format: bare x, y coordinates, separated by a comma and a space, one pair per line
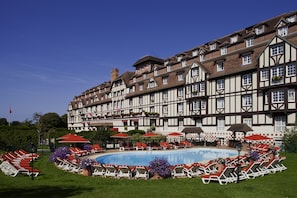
194, 170
99, 170
141, 172
111, 171
224, 177
178, 171
124, 172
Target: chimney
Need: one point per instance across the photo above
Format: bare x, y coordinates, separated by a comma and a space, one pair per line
114, 74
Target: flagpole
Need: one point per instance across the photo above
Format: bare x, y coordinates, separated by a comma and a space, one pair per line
10, 112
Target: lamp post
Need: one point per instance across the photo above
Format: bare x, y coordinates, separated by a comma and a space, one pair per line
32, 159
238, 148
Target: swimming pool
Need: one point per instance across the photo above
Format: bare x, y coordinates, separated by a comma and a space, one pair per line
182, 156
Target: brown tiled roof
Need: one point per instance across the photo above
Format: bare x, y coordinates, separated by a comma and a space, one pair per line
192, 130
148, 59
240, 128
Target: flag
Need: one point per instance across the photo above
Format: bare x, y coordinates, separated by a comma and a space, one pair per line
10, 111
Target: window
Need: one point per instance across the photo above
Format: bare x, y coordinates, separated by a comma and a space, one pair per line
212, 46
130, 102
152, 109
246, 59
165, 109
140, 87
247, 100
220, 124
201, 57
220, 66
134, 79
184, 63
195, 71
247, 79
220, 84
259, 30
276, 50
180, 107
180, 92
291, 95
196, 105
140, 100
155, 71
165, 80
234, 39
195, 53
180, 76
195, 88
291, 70
152, 97
283, 31
151, 83
220, 103
279, 123
278, 96
223, 50
249, 42
202, 86
277, 73
291, 19
165, 95
168, 68
264, 74
203, 104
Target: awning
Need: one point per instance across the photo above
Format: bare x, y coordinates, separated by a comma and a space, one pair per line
192, 130
102, 124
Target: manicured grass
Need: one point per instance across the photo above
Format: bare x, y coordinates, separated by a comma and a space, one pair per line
57, 183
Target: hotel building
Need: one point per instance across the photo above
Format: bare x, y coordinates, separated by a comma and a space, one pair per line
248, 76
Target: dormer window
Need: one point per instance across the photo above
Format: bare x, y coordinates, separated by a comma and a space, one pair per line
168, 68
234, 39
140, 87
282, 31
259, 30
220, 66
165, 80
155, 71
223, 50
179, 58
184, 63
166, 63
195, 53
246, 59
212, 46
151, 84
180, 76
291, 19
249, 42
201, 56
144, 76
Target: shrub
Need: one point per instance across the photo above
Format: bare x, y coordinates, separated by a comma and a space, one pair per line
60, 152
87, 163
160, 166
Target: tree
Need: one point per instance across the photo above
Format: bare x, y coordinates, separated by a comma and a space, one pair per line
290, 140
64, 120
48, 122
3, 121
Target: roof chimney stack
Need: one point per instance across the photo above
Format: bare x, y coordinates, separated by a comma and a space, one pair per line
114, 74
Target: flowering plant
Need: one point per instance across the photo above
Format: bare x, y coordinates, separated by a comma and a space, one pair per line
86, 163
60, 152
87, 147
254, 155
160, 166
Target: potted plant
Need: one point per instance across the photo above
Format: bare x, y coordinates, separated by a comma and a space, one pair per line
86, 165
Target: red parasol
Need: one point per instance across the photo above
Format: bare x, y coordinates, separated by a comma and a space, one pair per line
175, 134
256, 137
121, 135
65, 136
72, 138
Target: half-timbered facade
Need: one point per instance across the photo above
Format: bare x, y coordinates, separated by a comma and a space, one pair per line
247, 77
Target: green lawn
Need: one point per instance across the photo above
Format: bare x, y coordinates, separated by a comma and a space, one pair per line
57, 183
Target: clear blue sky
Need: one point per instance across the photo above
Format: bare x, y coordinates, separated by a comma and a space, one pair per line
53, 50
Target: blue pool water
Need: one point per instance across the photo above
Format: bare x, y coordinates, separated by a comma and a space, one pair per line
181, 156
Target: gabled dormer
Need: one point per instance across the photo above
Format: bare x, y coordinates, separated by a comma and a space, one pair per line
282, 27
